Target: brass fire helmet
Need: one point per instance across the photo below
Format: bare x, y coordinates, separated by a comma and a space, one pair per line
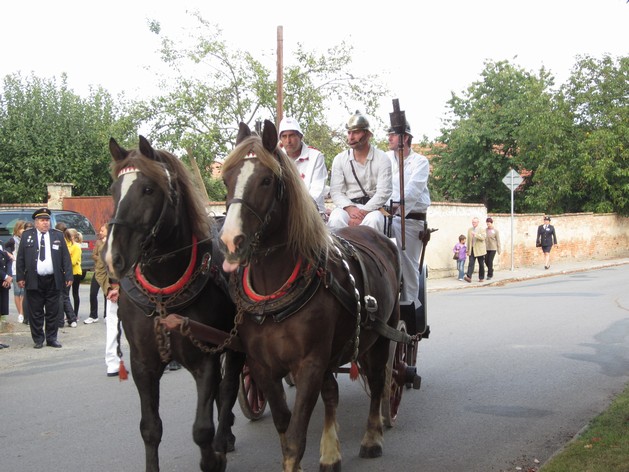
358, 121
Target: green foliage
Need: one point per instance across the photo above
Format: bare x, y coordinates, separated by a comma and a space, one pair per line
49, 134
213, 88
485, 136
570, 145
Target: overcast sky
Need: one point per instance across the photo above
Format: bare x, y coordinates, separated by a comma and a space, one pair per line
422, 49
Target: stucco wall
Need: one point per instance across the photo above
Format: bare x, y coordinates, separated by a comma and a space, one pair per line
580, 236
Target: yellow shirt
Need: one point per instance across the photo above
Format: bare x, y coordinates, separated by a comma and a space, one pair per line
75, 256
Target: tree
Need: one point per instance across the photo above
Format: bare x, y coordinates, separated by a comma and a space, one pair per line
591, 164
50, 134
486, 133
212, 88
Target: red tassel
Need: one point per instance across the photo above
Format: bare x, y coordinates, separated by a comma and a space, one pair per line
353, 371
122, 372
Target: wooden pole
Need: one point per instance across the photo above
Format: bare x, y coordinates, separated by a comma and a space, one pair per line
197, 174
280, 75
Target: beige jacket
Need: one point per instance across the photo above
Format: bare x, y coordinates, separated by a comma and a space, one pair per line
476, 243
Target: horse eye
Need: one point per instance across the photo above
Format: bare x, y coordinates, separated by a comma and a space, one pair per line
267, 181
147, 191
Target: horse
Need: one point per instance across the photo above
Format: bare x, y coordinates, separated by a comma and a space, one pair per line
308, 300
162, 247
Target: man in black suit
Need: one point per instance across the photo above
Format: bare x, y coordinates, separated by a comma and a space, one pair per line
43, 268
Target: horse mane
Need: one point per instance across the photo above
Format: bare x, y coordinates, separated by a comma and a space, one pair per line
182, 182
308, 235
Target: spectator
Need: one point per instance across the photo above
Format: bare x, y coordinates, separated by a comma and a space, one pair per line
546, 238
77, 271
94, 285
460, 252
360, 183
492, 242
66, 310
43, 268
12, 247
6, 279
477, 248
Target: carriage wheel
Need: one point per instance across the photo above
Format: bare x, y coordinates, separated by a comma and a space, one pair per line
393, 388
250, 397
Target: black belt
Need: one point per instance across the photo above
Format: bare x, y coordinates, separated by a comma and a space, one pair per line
361, 200
415, 216
47, 276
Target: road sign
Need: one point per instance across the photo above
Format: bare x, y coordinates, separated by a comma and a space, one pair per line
512, 180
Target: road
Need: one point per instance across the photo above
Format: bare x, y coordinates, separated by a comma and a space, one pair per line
510, 373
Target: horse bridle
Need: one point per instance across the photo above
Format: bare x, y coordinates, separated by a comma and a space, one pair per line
264, 222
144, 228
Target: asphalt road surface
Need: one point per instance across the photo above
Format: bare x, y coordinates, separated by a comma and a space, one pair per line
510, 373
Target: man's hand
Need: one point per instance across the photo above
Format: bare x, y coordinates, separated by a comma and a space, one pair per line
112, 294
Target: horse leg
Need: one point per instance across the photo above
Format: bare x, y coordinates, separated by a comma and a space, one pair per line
147, 383
224, 441
308, 383
330, 448
207, 378
375, 361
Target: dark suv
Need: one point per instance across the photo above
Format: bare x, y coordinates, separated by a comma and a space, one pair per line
72, 219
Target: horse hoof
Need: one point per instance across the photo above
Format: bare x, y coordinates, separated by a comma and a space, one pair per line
231, 443
219, 466
370, 452
225, 445
336, 467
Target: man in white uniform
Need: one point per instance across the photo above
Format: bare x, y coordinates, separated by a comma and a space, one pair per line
309, 161
416, 203
360, 183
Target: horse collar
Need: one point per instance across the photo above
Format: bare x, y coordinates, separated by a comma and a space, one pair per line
255, 297
169, 290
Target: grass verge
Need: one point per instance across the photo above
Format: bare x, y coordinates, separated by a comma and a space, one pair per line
602, 447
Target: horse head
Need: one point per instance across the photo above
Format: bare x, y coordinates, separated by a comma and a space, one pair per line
268, 205
148, 207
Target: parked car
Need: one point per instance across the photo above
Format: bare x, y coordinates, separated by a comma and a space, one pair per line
72, 219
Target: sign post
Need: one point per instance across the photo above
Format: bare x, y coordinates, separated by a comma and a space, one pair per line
512, 180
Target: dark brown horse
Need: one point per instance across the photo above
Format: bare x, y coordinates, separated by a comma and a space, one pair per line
307, 302
162, 246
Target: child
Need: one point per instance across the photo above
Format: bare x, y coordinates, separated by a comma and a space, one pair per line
460, 249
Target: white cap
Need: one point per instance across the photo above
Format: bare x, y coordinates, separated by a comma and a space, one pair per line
289, 124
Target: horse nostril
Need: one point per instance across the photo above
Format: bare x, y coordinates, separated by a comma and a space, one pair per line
238, 240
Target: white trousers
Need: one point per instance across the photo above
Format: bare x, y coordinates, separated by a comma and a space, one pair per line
339, 218
409, 257
112, 361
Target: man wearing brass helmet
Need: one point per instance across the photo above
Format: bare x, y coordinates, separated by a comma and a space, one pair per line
360, 183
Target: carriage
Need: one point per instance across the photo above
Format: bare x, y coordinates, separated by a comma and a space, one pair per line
302, 301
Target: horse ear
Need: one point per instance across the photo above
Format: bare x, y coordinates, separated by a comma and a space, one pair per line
116, 151
269, 136
243, 133
146, 149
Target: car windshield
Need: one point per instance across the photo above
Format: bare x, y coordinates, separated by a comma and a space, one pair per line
76, 221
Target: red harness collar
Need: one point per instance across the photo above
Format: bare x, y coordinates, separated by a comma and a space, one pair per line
185, 278
255, 297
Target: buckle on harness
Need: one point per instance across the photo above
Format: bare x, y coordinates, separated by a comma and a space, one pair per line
371, 304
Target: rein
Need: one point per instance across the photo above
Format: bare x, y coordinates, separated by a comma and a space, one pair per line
144, 228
